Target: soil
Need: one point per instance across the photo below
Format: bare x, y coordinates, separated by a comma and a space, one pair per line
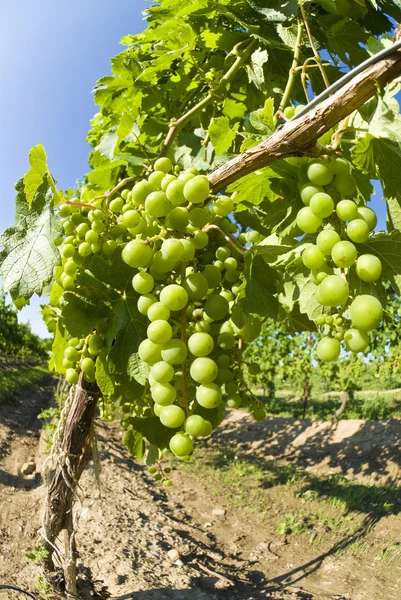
128, 526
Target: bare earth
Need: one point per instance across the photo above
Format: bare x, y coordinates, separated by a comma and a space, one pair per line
128, 527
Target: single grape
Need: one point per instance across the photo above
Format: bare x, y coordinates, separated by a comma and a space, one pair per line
259, 413
233, 400
358, 231
208, 428
196, 285
174, 297
162, 372
222, 253
149, 352
163, 164
157, 408
368, 268
312, 257
108, 247
254, 368
157, 204
223, 376
203, 370
71, 376
141, 191
68, 251
164, 393
82, 229
319, 172
158, 312
195, 425
98, 226
226, 340
72, 354
159, 332
181, 445
319, 274
68, 282
161, 264
175, 192
333, 291
199, 217
289, 112
223, 206
200, 344
326, 240
95, 343
144, 303
156, 179
347, 210
88, 365
130, 219
216, 307
339, 166
116, 205
328, 349
232, 275
196, 190
368, 215
91, 237
308, 190
189, 250
174, 352
166, 180
200, 239
213, 275
231, 263
321, 205
172, 416
231, 387
137, 254
356, 340
143, 283
366, 312
209, 395
224, 361
67, 364
344, 254
345, 184
307, 221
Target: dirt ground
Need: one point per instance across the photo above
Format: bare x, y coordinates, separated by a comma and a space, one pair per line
213, 535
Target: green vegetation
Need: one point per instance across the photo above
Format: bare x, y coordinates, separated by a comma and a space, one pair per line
13, 379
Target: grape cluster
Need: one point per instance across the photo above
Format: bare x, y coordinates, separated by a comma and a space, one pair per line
173, 234
327, 187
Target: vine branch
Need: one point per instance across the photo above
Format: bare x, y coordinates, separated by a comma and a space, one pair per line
316, 54
298, 136
292, 73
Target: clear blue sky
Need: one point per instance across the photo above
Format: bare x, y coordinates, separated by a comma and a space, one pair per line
51, 54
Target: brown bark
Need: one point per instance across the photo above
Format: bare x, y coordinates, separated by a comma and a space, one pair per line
299, 137
72, 457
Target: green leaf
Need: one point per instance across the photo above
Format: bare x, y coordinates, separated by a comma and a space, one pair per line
60, 343
282, 10
233, 109
255, 70
29, 253
387, 247
274, 251
221, 134
258, 293
134, 442
103, 375
80, 314
253, 188
34, 177
108, 144
152, 429
307, 300
263, 120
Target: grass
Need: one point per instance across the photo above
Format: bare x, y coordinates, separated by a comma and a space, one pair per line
13, 380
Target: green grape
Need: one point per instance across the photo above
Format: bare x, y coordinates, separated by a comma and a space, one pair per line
143, 282
209, 395
307, 221
175, 192
157, 408
202, 326
145, 302
72, 354
172, 416
84, 249
67, 364
181, 445
91, 237
312, 257
216, 307
319, 172
223, 206
368, 268
174, 297
196, 190
200, 344
137, 254
344, 254
150, 352
68, 227
163, 164
319, 274
366, 312
98, 226
162, 372
298, 108
226, 340
326, 240
82, 229
347, 210
195, 425
254, 368
108, 247
159, 332
130, 219
68, 283
224, 361
358, 231
199, 217
196, 285
218, 264
228, 295
321, 205
166, 180
328, 349
167, 482
232, 275
96, 247
141, 191
87, 365
125, 194
203, 370
208, 429
189, 250
222, 253
116, 205
259, 413
333, 291
155, 179
68, 251
158, 312
223, 376
178, 218
172, 250
174, 352
368, 215
186, 176
65, 210
289, 112
230, 263
95, 215
213, 275
234, 400
161, 264
345, 184
231, 387
356, 340
339, 166
95, 342
157, 204
308, 190
71, 376
164, 393
200, 239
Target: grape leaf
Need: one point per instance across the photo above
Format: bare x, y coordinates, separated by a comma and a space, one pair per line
134, 442
307, 300
387, 247
252, 188
221, 134
258, 293
29, 253
103, 375
80, 314
34, 177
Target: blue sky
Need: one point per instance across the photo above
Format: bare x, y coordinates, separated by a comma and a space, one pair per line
51, 55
